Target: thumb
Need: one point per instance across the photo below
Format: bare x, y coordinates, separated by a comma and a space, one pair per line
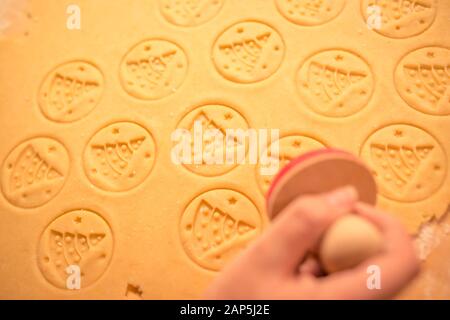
299, 227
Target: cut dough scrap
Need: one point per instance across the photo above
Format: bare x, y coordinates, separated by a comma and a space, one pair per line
348, 242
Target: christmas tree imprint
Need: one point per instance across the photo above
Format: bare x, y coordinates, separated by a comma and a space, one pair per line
329, 83
310, 12
245, 54
216, 225
67, 93
215, 230
248, 52
30, 170
401, 18
395, 12
428, 82
192, 9
190, 12
335, 83
311, 7
152, 72
77, 238
397, 165
114, 158
210, 148
66, 248
70, 91
153, 69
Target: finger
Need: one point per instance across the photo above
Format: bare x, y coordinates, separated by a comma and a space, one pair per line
397, 264
298, 228
393, 231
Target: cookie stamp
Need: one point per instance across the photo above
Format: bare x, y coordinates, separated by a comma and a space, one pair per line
70, 91
216, 225
248, 52
310, 12
402, 18
153, 69
214, 117
119, 156
290, 147
190, 13
423, 80
34, 172
335, 83
408, 163
81, 238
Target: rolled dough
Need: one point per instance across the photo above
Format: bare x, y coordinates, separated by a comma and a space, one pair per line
317, 73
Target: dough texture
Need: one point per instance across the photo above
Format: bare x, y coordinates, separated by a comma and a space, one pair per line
87, 117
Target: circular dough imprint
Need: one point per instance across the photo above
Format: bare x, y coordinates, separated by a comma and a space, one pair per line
399, 19
81, 238
408, 163
34, 172
70, 91
248, 52
153, 69
335, 83
422, 79
218, 224
223, 120
119, 156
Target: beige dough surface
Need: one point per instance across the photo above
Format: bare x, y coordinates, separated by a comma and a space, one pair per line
86, 118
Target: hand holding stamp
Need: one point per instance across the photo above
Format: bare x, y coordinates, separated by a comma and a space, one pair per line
351, 239
320, 222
